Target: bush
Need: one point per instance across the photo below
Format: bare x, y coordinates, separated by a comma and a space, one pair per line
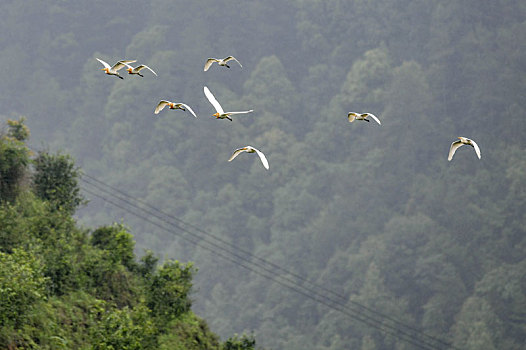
56, 181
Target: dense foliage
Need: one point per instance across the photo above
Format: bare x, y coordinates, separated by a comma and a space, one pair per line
374, 213
63, 287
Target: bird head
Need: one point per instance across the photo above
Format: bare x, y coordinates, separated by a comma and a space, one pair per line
216, 115
129, 70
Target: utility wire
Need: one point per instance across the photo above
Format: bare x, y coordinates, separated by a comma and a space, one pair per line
369, 320
270, 271
410, 336
314, 296
271, 264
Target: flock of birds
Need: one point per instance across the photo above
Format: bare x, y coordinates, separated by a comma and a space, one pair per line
221, 114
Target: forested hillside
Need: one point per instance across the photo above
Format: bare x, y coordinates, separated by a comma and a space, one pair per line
373, 213
66, 287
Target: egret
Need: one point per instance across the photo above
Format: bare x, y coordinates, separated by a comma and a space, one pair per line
250, 149
173, 105
221, 62
459, 143
116, 67
352, 116
221, 114
137, 70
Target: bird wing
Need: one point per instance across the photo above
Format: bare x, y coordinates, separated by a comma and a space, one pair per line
213, 101
189, 109
374, 117
142, 66
232, 58
262, 157
454, 146
106, 65
351, 116
237, 152
209, 63
161, 105
240, 112
477, 149
126, 64
121, 64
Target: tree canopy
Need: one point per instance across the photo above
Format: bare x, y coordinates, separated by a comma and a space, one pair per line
373, 212
64, 286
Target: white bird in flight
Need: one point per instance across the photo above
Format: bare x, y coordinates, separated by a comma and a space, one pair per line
352, 116
116, 67
173, 105
221, 114
459, 143
221, 62
250, 149
137, 70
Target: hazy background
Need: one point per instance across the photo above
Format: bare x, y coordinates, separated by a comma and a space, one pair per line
374, 213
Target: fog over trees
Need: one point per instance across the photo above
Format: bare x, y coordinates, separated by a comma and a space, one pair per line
382, 242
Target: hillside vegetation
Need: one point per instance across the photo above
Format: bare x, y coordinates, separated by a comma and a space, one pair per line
374, 213
67, 287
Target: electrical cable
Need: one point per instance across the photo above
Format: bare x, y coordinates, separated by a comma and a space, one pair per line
367, 319
406, 337
272, 265
409, 337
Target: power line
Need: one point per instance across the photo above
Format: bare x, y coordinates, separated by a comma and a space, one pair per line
314, 296
409, 336
274, 266
269, 271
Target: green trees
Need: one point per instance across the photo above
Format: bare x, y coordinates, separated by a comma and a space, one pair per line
492, 318
373, 212
56, 181
125, 329
14, 158
118, 242
66, 287
169, 289
243, 342
22, 285
477, 326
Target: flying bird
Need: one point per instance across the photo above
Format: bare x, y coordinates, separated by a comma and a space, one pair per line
459, 143
116, 67
173, 105
221, 114
137, 70
250, 149
221, 62
352, 116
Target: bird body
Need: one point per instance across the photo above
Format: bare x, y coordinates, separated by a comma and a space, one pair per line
114, 70
173, 105
137, 70
222, 62
250, 149
459, 143
352, 116
220, 113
